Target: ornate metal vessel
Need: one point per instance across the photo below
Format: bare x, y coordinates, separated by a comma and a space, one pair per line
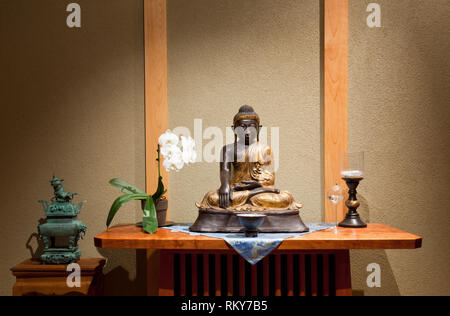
62, 229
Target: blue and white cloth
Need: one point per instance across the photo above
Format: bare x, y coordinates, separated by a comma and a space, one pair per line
252, 249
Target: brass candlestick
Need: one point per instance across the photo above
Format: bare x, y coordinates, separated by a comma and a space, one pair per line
352, 219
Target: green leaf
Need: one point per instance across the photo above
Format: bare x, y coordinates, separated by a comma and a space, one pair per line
150, 221
121, 200
126, 187
160, 191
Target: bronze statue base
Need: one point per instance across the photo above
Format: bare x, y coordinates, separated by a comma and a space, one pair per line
223, 221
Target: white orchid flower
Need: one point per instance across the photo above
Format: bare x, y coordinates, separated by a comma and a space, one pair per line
175, 163
189, 154
169, 151
177, 153
168, 139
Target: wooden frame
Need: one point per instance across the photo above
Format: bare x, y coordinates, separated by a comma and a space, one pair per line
156, 110
335, 90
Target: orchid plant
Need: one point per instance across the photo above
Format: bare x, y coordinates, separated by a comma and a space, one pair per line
177, 153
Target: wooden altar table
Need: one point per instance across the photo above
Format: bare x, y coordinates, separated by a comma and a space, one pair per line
314, 264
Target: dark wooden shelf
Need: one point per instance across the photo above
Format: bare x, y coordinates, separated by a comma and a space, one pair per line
36, 279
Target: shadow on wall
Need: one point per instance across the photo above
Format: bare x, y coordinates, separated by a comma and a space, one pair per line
38, 249
118, 281
363, 209
361, 259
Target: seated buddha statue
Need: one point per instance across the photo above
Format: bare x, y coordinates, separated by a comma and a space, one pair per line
247, 172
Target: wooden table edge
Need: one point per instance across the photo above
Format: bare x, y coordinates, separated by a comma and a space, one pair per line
306, 242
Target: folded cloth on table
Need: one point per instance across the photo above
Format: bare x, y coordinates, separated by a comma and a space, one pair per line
252, 249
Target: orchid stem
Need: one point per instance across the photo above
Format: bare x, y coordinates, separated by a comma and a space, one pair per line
159, 160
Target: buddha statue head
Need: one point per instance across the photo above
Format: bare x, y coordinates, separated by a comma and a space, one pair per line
246, 125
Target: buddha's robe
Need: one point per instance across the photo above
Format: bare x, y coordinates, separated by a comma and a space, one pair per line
257, 165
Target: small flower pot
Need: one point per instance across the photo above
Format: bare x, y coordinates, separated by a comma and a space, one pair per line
161, 211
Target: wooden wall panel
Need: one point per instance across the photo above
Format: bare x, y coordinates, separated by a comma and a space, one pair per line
156, 107
314, 273
335, 96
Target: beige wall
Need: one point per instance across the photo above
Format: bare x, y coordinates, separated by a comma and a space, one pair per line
399, 114
72, 103
265, 53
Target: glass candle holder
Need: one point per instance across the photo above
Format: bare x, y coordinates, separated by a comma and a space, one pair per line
335, 195
352, 165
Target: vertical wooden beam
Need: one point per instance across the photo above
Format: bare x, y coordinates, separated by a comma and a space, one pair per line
183, 274
326, 275
156, 108
343, 274
230, 274
206, 274
335, 96
218, 275
314, 274
302, 274
266, 278
254, 278
241, 277
290, 274
166, 277
277, 275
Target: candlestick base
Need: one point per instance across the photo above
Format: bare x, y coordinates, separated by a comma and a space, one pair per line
352, 219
